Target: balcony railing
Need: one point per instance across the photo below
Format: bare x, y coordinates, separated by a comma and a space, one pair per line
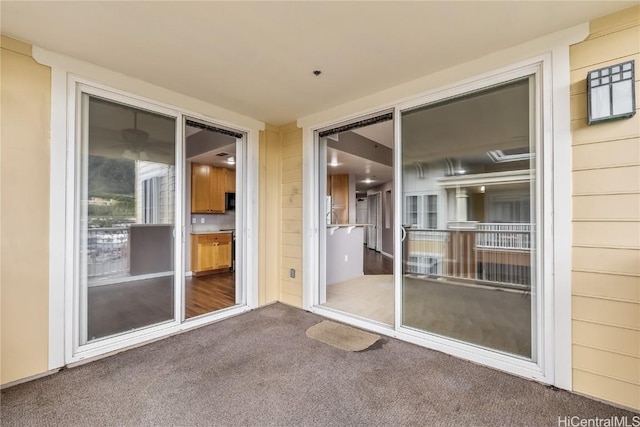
504, 236
107, 252
494, 254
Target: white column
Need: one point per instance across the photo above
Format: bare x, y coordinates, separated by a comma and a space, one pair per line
461, 204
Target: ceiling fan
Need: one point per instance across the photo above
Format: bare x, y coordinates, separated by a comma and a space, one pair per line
137, 139
133, 142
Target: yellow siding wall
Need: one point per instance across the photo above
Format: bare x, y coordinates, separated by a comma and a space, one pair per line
24, 231
291, 241
606, 224
270, 215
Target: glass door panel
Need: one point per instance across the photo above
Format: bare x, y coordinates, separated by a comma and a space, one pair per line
469, 203
126, 218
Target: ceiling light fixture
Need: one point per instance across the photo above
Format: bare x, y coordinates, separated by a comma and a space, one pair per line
231, 160
368, 181
333, 163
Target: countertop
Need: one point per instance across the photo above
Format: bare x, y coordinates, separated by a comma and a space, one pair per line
213, 232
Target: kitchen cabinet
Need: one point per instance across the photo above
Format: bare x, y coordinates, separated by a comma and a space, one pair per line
208, 185
210, 252
338, 189
230, 180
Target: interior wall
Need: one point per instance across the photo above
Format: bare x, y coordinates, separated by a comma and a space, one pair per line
387, 216
291, 236
606, 223
24, 215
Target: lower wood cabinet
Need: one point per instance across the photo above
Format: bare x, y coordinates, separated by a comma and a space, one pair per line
210, 252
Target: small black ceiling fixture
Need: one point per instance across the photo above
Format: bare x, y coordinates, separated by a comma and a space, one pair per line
317, 72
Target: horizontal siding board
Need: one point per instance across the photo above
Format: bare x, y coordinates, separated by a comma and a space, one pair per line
292, 150
619, 234
292, 163
615, 45
614, 365
622, 261
292, 300
292, 251
292, 213
581, 132
610, 389
622, 18
614, 313
579, 76
289, 263
292, 138
291, 288
606, 285
292, 188
607, 154
292, 201
291, 226
293, 175
610, 338
286, 275
611, 180
607, 207
293, 239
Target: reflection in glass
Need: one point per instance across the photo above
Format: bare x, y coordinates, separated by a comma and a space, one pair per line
126, 218
469, 202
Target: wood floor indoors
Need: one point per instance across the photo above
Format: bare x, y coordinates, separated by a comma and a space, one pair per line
376, 263
121, 307
205, 294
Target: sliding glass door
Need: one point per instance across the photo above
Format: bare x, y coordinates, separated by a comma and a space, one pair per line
126, 215
468, 211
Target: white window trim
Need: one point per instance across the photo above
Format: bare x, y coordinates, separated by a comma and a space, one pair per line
64, 70
555, 365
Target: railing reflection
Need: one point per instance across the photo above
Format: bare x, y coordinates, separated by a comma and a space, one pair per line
107, 252
493, 254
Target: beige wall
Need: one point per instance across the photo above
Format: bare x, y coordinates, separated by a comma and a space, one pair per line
606, 224
291, 240
24, 229
270, 215
281, 214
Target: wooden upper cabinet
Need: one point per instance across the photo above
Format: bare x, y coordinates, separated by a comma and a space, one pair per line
230, 178
338, 186
216, 195
200, 188
207, 189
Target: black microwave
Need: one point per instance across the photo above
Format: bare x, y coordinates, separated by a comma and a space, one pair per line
230, 201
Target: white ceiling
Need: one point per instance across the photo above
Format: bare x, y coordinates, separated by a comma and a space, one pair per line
360, 167
380, 132
257, 58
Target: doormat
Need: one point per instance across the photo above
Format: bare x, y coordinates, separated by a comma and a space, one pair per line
342, 336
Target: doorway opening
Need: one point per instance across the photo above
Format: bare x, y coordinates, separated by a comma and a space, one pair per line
212, 156
356, 204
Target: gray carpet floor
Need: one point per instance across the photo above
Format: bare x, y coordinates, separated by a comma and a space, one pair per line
261, 369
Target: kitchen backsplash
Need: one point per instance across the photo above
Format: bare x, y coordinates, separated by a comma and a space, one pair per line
214, 222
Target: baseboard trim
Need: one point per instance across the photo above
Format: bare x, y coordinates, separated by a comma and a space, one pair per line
386, 254
31, 378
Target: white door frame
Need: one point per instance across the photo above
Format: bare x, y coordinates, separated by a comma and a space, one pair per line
64, 315
553, 321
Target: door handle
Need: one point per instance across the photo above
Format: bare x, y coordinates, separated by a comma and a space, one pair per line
404, 233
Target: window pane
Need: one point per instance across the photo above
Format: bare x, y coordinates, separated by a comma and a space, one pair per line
126, 218
471, 279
